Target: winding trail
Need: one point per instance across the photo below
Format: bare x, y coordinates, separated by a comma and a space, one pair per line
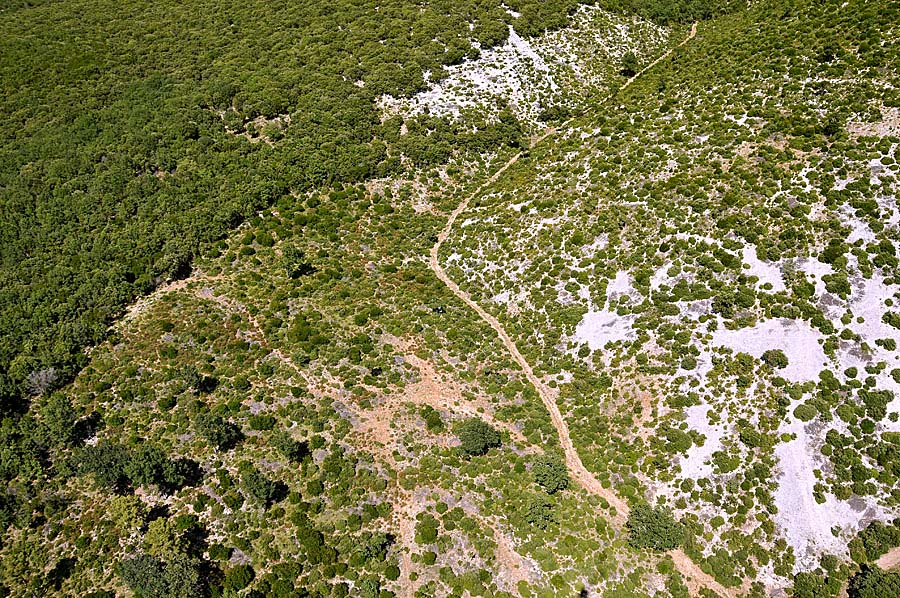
548, 396
662, 57
694, 576
889, 560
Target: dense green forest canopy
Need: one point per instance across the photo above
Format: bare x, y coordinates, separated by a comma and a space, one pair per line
683, 11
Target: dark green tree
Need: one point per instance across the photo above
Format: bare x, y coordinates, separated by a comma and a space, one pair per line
874, 540
258, 487
775, 358
149, 465
217, 431
872, 582
539, 512
432, 417
630, 66
293, 450
59, 418
427, 529
149, 577
476, 437
295, 262
239, 577
106, 461
833, 126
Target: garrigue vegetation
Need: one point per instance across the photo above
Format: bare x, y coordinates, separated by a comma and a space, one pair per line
310, 411
721, 246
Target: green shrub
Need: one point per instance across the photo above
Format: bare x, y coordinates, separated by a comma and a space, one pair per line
775, 358
653, 528
550, 473
239, 577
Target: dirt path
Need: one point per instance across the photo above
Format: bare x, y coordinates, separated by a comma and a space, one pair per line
889, 560
548, 396
662, 57
404, 521
694, 576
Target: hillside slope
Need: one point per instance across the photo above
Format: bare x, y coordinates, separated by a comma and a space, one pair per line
708, 272
587, 335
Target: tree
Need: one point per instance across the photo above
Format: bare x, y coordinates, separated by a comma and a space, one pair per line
40, 382
728, 302
539, 512
145, 575
550, 473
427, 529
261, 422
220, 433
629, 65
21, 559
808, 585
239, 577
872, 582
653, 528
128, 512
60, 418
377, 546
833, 126
258, 487
476, 437
805, 412
295, 263
196, 381
775, 358
432, 417
293, 450
106, 461
163, 539
875, 540
150, 577
369, 588
829, 52
149, 465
